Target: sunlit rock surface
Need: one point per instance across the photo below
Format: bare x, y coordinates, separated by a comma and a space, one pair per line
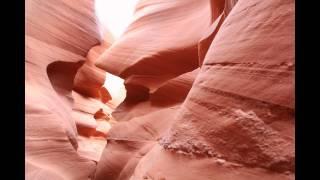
63, 90
232, 119
209, 92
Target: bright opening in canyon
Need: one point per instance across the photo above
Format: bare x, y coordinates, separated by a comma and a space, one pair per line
208, 94
115, 87
114, 15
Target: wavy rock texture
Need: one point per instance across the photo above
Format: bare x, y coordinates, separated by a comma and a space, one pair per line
172, 52
209, 92
63, 90
232, 119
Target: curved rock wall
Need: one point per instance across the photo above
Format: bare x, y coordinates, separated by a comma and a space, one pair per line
232, 119
209, 83
59, 34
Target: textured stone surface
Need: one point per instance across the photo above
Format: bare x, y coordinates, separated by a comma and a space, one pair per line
209, 92
169, 52
235, 121
59, 34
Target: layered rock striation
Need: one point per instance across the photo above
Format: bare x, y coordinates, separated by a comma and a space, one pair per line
209, 91
63, 90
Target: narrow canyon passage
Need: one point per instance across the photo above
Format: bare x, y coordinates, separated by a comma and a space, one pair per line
160, 89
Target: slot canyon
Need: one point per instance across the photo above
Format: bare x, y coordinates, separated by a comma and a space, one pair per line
160, 89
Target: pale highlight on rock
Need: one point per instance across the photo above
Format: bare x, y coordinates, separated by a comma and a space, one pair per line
114, 15
177, 90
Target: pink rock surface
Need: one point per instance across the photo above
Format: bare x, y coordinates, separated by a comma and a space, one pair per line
245, 91
209, 92
169, 52
59, 35
236, 120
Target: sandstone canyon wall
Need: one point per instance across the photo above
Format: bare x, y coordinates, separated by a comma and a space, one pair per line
209, 92
63, 90
231, 119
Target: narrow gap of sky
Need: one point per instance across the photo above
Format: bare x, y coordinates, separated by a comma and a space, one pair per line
114, 15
